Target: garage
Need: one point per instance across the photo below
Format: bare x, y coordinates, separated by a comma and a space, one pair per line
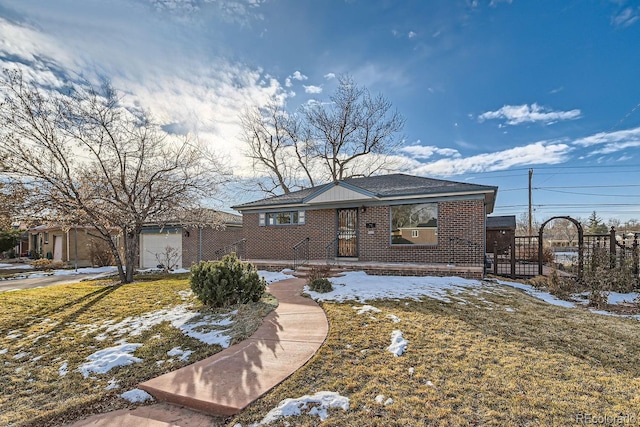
161, 247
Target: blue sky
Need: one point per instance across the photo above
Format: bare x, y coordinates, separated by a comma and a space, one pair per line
489, 88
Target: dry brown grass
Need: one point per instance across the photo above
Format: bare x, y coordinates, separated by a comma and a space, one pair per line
497, 358
50, 326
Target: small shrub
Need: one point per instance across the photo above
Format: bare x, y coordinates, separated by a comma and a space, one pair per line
561, 287
321, 285
226, 282
47, 264
318, 272
100, 253
41, 264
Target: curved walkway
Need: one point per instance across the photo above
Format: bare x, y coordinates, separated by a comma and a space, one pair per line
230, 380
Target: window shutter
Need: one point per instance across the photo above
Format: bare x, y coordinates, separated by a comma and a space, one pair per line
300, 217
261, 220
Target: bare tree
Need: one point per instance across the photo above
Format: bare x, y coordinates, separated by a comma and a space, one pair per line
276, 145
94, 162
347, 131
352, 135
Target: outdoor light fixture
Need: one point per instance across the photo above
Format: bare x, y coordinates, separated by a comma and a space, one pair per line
363, 209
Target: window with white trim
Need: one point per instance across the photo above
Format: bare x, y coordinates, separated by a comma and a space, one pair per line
282, 218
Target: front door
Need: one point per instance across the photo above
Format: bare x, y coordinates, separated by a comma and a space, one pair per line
348, 232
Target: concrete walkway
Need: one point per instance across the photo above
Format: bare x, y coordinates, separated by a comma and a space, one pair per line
230, 380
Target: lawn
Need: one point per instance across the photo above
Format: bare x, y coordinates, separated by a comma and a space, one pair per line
47, 335
489, 355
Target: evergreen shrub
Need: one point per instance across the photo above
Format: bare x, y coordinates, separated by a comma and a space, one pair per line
226, 282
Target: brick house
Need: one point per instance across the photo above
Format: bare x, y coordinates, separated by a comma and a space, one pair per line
437, 225
189, 243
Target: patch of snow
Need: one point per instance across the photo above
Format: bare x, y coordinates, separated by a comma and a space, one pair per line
366, 309
21, 355
429, 383
179, 271
14, 334
15, 266
393, 317
4, 351
113, 384
180, 317
398, 343
136, 396
389, 401
321, 401
272, 277
411, 371
63, 369
510, 310
102, 361
183, 354
379, 399
544, 296
357, 285
617, 298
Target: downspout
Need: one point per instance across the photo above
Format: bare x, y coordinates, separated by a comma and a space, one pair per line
75, 235
68, 249
199, 243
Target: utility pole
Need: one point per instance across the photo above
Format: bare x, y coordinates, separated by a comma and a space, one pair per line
530, 203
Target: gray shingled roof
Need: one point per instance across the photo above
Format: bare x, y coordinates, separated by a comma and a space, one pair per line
381, 186
505, 221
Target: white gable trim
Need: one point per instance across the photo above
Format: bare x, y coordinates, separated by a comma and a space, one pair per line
335, 193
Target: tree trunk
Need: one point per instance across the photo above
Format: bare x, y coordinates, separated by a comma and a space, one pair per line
131, 244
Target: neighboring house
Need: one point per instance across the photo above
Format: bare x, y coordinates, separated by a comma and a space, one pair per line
70, 244
179, 246
382, 219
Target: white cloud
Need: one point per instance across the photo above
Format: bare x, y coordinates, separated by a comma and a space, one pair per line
494, 3
617, 137
146, 61
412, 34
312, 89
626, 17
329, 76
536, 153
427, 151
518, 114
614, 147
298, 76
287, 82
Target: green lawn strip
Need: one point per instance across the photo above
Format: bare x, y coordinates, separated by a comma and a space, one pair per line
44, 329
489, 358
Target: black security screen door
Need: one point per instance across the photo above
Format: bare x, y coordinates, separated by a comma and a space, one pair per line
348, 232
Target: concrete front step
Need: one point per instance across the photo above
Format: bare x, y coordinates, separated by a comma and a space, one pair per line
157, 415
230, 380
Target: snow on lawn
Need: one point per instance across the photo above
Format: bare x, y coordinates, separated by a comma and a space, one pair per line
15, 266
366, 309
206, 328
544, 296
398, 343
136, 396
359, 286
102, 361
272, 277
180, 353
317, 404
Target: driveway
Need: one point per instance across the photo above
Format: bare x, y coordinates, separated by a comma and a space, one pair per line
15, 284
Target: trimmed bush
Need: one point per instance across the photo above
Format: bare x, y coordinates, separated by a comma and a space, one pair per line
321, 285
226, 282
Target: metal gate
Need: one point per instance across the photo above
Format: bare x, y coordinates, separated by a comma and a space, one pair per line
348, 232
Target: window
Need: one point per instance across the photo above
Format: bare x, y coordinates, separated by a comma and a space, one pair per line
415, 224
46, 237
282, 218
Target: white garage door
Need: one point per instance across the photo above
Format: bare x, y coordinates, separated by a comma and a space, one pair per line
161, 248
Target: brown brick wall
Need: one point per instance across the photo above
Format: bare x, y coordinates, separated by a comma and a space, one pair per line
212, 240
277, 241
460, 236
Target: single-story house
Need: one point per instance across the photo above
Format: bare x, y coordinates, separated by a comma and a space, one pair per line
70, 244
393, 218
179, 246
